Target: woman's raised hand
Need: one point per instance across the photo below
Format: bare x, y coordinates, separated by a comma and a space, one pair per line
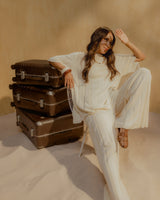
68, 80
122, 36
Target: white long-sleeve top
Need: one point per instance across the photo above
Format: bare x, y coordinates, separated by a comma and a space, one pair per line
100, 91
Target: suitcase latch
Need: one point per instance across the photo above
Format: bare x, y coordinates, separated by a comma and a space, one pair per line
41, 103
18, 96
51, 93
18, 120
46, 77
22, 75
32, 132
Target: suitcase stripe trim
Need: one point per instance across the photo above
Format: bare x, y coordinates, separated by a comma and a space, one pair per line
62, 131
36, 75
11, 86
52, 104
40, 123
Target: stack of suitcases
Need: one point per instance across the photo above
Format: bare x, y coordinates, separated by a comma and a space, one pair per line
42, 106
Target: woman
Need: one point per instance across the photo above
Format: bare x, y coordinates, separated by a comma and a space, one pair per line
93, 77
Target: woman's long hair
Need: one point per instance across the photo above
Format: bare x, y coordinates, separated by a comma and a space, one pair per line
95, 39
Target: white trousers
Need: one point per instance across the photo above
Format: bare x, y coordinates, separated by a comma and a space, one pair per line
131, 110
131, 104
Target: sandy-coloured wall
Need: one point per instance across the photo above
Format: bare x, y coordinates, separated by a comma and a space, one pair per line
40, 29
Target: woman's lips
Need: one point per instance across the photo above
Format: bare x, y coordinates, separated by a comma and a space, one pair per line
105, 49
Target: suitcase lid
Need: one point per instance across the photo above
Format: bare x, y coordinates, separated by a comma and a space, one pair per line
32, 63
39, 119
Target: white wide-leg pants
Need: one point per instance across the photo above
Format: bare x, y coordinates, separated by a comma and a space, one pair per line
131, 105
131, 110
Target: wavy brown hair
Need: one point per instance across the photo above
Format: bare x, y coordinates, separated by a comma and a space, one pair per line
95, 39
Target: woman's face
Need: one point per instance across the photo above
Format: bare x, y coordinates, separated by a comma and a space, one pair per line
105, 44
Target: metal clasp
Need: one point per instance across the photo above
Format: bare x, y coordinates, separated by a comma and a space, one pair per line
41, 103
22, 75
18, 96
46, 77
18, 119
32, 132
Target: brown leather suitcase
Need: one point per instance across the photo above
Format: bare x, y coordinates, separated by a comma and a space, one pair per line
43, 99
48, 131
37, 72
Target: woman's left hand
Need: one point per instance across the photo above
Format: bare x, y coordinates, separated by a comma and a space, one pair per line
122, 36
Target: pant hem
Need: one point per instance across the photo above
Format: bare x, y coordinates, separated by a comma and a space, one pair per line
122, 125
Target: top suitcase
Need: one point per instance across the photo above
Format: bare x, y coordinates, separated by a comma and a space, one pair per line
37, 72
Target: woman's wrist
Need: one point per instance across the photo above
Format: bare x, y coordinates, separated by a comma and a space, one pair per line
138, 54
66, 72
64, 69
127, 43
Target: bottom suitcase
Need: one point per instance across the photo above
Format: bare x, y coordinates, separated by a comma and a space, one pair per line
48, 131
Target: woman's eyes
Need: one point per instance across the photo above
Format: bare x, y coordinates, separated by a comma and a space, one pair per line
106, 39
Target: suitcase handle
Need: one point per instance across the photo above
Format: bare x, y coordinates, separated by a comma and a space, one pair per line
14, 79
10, 86
12, 67
12, 104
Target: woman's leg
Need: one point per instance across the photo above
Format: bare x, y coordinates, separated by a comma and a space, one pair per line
102, 132
132, 103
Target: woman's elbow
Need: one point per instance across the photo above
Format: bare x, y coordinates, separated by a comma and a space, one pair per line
141, 57
50, 62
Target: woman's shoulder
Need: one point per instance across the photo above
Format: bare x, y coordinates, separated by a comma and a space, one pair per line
122, 55
78, 57
78, 53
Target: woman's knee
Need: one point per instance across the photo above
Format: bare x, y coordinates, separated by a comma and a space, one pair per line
145, 72
109, 150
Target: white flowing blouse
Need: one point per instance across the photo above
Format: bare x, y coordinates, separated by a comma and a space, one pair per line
100, 92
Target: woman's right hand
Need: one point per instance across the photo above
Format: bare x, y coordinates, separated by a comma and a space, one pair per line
68, 80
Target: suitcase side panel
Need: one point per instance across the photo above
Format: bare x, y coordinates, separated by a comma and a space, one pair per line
60, 138
37, 72
44, 100
45, 125
53, 137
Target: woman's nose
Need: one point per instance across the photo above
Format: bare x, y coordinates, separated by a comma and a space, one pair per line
108, 44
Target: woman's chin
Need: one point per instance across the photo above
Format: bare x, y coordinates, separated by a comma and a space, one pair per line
104, 52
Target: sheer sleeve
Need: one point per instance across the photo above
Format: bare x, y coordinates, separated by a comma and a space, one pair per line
68, 60
125, 63
72, 61
65, 60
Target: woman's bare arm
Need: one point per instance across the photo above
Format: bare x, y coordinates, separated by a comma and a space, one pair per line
68, 81
139, 55
124, 39
57, 65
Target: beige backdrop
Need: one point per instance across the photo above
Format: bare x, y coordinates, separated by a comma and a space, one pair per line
40, 29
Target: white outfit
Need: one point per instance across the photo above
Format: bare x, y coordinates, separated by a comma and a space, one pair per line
103, 107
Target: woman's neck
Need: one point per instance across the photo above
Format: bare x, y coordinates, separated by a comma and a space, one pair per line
99, 58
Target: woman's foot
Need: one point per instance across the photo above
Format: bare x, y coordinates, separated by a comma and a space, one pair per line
123, 137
